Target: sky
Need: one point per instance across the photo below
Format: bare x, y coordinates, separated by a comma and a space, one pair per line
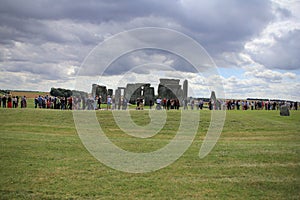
254, 44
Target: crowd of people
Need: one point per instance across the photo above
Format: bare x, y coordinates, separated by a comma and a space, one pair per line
227, 105
90, 103
70, 103
167, 104
53, 102
259, 105
9, 101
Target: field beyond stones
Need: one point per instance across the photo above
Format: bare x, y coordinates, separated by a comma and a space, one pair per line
256, 157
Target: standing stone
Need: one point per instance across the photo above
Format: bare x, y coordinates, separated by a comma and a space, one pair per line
133, 91
110, 92
148, 95
119, 96
216, 105
99, 90
185, 89
94, 89
170, 89
284, 110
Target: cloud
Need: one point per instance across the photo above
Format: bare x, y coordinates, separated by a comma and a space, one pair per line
283, 53
269, 75
276, 47
260, 87
147, 60
225, 22
47, 42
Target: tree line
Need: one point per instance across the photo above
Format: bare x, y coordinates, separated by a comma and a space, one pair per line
61, 92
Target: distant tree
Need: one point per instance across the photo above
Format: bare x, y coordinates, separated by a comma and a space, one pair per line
55, 92
5, 91
67, 93
60, 92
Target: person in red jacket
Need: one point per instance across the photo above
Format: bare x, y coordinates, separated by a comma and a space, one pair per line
70, 102
9, 102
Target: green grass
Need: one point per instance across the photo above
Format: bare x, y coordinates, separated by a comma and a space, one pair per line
256, 157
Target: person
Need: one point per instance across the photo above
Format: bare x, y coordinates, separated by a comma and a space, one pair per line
151, 103
79, 102
274, 105
177, 104
36, 102
124, 106
201, 104
228, 104
168, 104
172, 104
238, 104
9, 102
141, 104
70, 102
233, 104
83, 103
99, 102
49, 102
108, 102
17, 101
4, 101
164, 104
185, 107
192, 104
66, 102
62, 103
90, 103
44, 102
119, 100
137, 104
40, 101
266, 105
56, 103
14, 102
24, 102
113, 103
260, 105
158, 103
210, 105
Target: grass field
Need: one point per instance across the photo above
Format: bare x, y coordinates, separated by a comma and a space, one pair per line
256, 157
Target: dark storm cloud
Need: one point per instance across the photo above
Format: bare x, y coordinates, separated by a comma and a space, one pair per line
224, 22
59, 31
91, 10
225, 25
